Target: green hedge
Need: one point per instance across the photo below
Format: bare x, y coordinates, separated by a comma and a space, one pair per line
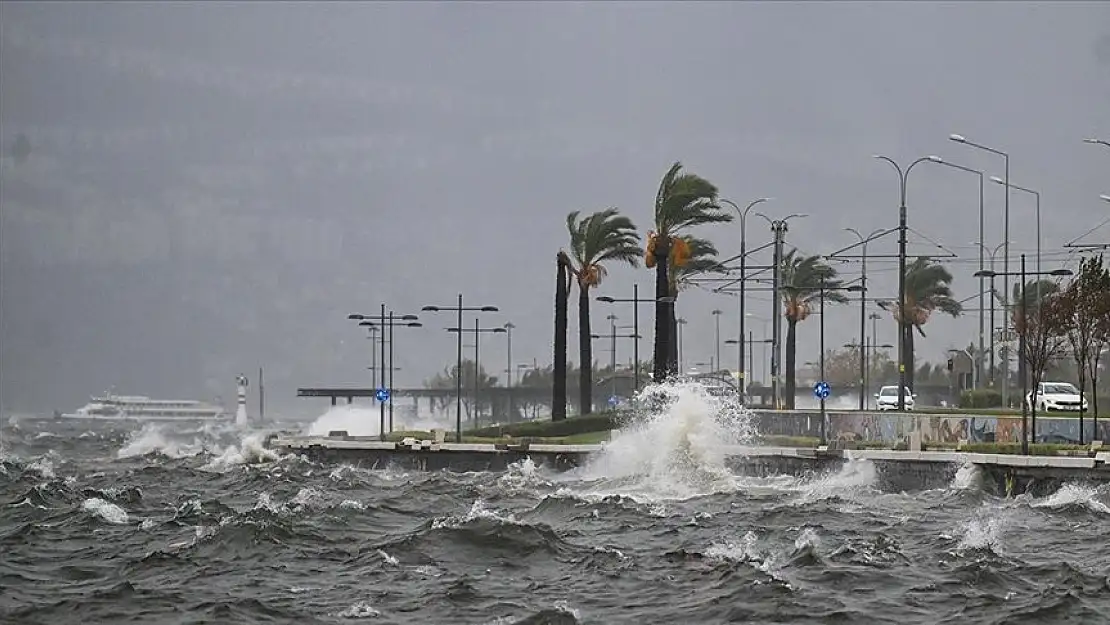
599, 422
981, 398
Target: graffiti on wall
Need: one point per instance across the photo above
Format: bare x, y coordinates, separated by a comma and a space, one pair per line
893, 427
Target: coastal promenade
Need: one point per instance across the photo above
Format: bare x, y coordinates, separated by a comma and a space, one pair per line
1001, 474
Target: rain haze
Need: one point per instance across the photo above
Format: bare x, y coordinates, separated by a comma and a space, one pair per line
212, 188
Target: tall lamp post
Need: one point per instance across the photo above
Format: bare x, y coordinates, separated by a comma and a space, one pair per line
863, 312
386, 323
903, 328
992, 253
1036, 194
509, 366
478, 331
779, 228
1005, 241
743, 279
940, 161
459, 308
635, 301
1097, 142
1023, 275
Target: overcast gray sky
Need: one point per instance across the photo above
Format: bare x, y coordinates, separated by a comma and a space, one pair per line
213, 187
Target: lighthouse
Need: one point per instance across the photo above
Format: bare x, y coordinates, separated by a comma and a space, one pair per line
241, 410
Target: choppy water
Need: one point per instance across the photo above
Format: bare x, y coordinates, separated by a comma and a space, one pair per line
159, 526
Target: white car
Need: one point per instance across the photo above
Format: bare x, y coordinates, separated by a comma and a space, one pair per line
1056, 396
887, 398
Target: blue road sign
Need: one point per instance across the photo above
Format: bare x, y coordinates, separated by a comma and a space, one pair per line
822, 390
614, 400
382, 394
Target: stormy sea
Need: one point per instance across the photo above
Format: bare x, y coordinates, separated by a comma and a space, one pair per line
159, 524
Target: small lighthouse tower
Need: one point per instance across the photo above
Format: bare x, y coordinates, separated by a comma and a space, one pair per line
241, 411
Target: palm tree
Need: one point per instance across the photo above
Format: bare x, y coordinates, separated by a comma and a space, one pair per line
598, 238
702, 260
564, 269
928, 288
802, 279
684, 200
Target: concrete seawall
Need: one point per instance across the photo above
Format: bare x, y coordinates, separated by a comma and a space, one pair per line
1003, 475
891, 427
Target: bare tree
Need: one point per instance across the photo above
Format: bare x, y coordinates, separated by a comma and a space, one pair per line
1044, 328
1081, 303
1099, 297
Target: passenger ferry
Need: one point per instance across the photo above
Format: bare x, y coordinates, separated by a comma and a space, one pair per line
111, 407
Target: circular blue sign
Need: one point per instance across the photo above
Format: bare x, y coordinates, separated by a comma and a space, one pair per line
382, 394
822, 390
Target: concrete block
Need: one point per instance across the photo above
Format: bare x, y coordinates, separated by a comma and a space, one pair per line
1103, 457
915, 441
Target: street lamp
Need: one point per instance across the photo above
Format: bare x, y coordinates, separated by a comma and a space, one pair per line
779, 228
680, 323
635, 301
903, 328
863, 309
459, 308
477, 330
993, 253
940, 161
389, 321
997, 180
1005, 237
1104, 198
1023, 274
1097, 142
743, 274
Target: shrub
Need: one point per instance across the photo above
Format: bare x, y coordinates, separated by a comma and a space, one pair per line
981, 398
599, 422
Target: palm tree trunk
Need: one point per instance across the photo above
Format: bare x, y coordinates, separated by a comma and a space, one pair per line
585, 347
791, 359
663, 314
911, 372
559, 382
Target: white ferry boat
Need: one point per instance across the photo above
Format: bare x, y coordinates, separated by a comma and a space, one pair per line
111, 407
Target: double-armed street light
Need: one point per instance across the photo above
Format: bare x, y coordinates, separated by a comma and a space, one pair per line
993, 299
903, 328
460, 309
635, 301
863, 241
477, 330
981, 243
1005, 229
385, 323
779, 229
1023, 275
743, 272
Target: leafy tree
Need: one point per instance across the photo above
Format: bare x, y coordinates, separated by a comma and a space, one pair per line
801, 280
448, 379
1045, 331
1080, 303
928, 289
594, 241
683, 201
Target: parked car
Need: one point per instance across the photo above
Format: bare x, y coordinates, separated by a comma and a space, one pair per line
887, 398
1056, 396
